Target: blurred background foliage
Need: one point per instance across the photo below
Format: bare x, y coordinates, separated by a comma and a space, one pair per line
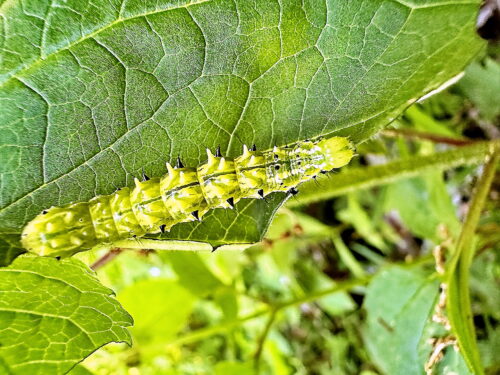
346, 285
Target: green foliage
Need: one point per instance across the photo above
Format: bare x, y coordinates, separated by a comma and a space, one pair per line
429, 207
355, 215
234, 368
480, 84
193, 273
53, 314
104, 92
160, 321
94, 94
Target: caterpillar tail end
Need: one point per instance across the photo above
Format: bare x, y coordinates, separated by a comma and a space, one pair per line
34, 237
59, 231
338, 151
30, 239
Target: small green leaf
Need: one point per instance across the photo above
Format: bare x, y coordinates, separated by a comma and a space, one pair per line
423, 121
53, 314
227, 300
347, 257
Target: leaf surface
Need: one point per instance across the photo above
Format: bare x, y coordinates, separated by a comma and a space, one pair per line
53, 314
92, 94
399, 304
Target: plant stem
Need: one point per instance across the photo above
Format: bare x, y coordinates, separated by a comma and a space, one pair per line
458, 303
117, 247
262, 339
209, 331
106, 258
172, 245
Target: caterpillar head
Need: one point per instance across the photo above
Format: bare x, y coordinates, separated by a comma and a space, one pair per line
338, 151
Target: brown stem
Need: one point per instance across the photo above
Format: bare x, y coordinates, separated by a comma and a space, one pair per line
106, 258
408, 133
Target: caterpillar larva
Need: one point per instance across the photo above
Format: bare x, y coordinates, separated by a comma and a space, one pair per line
183, 194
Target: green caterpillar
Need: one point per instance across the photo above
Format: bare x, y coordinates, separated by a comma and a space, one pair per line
183, 194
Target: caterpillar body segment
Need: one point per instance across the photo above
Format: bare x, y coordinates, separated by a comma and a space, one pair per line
183, 194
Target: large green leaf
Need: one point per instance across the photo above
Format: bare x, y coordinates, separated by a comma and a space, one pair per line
93, 93
53, 314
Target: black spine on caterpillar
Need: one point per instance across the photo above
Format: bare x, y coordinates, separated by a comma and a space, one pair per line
183, 194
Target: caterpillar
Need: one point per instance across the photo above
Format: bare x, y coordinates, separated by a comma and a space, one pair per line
183, 194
